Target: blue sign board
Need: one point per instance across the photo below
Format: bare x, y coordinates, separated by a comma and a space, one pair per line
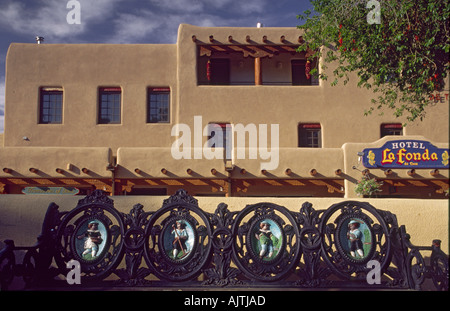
406, 154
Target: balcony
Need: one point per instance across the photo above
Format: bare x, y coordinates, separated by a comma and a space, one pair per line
253, 65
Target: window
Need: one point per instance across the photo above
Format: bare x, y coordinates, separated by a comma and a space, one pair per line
50, 107
225, 142
158, 105
109, 105
309, 135
391, 129
298, 72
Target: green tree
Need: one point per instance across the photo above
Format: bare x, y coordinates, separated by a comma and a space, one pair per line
404, 58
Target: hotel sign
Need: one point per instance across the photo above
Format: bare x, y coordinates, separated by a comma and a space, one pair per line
50, 190
406, 154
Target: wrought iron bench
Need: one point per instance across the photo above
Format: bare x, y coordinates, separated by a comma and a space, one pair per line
348, 245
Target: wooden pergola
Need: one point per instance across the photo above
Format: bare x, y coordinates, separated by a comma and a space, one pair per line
252, 48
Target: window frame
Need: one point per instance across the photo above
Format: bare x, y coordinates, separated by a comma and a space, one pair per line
303, 129
158, 91
109, 91
43, 91
386, 129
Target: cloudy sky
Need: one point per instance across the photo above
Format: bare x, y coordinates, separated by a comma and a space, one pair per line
130, 21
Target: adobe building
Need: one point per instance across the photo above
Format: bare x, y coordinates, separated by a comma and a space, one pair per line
223, 112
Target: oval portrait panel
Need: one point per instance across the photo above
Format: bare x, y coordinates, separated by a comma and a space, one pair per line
266, 239
355, 239
179, 239
90, 240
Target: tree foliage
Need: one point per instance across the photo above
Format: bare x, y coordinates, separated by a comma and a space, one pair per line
403, 59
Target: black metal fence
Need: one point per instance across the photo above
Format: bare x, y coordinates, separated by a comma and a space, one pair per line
348, 245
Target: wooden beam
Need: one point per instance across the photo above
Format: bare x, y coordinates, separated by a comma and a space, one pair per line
258, 71
388, 172
3, 188
434, 172
205, 51
59, 170
290, 49
261, 51
7, 170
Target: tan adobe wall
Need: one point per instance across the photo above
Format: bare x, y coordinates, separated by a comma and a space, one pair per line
70, 160
339, 110
80, 69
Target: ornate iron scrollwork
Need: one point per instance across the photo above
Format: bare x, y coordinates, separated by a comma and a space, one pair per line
93, 234
312, 273
354, 233
135, 221
178, 239
266, 243
439, 267
222, 274
262, 244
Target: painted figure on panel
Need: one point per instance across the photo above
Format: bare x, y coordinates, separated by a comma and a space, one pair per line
93, 238
180, 236
268, 241
355, 236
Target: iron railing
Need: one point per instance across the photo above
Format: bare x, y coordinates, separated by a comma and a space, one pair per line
350, 244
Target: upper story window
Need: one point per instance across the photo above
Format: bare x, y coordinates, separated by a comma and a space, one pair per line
310, 135
391, 129
158, 105
50, 106
109, 105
